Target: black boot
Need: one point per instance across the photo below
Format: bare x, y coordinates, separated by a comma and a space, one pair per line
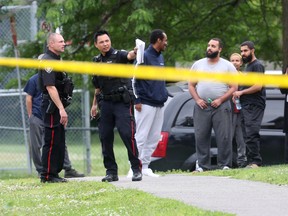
72, 173
137, 176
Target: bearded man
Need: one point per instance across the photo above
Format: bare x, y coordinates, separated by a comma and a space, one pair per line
212, 109
253, 100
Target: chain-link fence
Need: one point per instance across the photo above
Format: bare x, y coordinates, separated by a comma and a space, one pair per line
26, 24
14, 145
14, 142
82, 140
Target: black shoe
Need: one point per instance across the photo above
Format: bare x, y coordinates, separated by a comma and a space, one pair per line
242, 165
53, 180
137, 176
110, 178
72, 173
62, 179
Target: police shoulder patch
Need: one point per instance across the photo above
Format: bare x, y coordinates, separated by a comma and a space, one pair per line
48, 69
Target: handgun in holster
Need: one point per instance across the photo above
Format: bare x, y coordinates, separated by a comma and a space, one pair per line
124, 94
51, 107
99, 99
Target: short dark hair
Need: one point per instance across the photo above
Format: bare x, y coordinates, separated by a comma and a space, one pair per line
249, 44
99, 33
219, 41
155, 34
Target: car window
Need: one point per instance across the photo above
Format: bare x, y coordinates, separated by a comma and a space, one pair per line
273, 115
185, 115
272, 119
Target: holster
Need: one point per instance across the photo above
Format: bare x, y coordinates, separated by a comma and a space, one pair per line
66, 101
51, 107
99, 99
113, 97
122, 94
126, 96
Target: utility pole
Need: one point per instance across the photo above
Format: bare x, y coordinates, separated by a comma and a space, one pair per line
14, 39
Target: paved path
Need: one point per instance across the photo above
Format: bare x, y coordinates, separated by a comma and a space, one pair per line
240, 197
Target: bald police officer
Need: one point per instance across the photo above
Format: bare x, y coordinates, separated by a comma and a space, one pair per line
53, 111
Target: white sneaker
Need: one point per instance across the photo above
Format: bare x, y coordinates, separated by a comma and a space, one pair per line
130, 173
149, 172
225, 168
197, 170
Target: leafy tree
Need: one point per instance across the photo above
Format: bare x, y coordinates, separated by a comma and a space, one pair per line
188, 24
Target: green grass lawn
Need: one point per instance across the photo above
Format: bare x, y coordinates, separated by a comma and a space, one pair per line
277, 174
30, 197
25, 195
14, 156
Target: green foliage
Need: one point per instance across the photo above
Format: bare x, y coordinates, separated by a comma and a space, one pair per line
188, 24
31, 49
11, 2
28, 50
142, 20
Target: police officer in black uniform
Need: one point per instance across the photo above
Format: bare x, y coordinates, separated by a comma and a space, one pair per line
285, 126
54, 115
113, 97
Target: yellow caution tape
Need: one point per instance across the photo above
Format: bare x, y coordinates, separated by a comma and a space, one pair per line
147, 72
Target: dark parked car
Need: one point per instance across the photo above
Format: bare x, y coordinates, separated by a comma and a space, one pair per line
176, 150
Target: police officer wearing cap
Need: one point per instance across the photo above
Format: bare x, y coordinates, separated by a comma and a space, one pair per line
113, 98
53, 111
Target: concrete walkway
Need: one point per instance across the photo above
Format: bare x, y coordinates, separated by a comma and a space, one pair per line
240, 197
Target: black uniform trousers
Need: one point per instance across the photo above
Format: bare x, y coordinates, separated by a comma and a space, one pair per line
53, 151
251, 116
118, 114
285, 128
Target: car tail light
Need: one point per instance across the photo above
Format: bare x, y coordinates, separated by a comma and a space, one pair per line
160, 150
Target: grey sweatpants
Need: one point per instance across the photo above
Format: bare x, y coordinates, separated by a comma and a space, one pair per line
148, 131
220, 120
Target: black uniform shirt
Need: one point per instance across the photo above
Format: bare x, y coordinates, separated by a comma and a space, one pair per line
49, 76
108, 84
121, 56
